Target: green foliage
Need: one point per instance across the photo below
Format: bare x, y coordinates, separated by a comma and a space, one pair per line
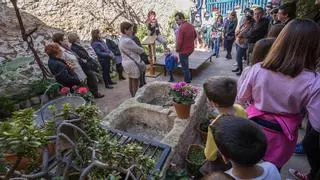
40, 86
178, 174
19, 135
110, 151
6, 107
304, 8
142, 31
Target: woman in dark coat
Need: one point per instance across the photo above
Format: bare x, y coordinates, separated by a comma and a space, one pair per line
105, 55
61, 69
229, 33
88, 64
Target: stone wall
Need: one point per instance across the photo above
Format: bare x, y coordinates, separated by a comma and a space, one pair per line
82, 16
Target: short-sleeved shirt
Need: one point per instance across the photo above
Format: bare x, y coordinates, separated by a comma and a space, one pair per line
270, 172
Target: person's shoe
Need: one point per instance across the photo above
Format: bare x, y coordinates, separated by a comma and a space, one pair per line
299, 149
236, 70
112, 83
217, 56
109, 87
214, 54
239, 73
235, 64
98, 95
171, 80
298, 175
229, 57
121, 77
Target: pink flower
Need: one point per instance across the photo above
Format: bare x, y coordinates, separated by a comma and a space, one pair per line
82, 90
64, 90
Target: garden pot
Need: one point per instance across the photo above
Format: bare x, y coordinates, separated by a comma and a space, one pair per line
51, 148
203, 133
195, 158
182, 110
11, 159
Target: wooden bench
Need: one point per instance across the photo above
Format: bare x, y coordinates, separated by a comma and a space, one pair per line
196, 59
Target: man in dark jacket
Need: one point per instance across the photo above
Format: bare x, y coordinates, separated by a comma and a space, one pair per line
258, 31
287, 12
87, 63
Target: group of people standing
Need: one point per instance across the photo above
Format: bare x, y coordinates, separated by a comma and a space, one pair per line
279, 89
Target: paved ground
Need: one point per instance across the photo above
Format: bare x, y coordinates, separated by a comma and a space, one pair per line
218, 67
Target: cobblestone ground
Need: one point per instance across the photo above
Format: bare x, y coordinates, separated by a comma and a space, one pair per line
218, 67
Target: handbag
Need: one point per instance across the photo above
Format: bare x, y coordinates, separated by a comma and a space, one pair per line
144, 57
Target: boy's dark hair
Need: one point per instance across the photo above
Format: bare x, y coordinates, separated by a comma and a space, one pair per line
180, 15
221, 90
240, 140
290, 9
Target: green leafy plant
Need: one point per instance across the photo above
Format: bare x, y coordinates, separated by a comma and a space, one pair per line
183, 93
177, 174
21, 137
111, 152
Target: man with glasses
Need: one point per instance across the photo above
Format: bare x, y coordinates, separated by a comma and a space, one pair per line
185, 43
258, 31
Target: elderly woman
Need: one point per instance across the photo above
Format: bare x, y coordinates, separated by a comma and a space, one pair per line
69, 56
88, 64
62, 70
131, 60
105, 55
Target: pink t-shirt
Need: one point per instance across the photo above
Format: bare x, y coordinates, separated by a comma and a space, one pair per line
275, 92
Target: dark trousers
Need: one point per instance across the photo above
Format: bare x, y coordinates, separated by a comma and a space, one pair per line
311, 145
184, 60
105, 64
229, 46
92, 81
240, 55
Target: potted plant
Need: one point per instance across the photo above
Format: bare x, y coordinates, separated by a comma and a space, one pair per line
183, 95
21, 141
195, 158
203, 126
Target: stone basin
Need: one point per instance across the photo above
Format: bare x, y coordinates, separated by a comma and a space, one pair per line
144, 122
150, 115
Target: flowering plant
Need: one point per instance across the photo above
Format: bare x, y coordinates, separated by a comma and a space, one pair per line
77, 91
183, 93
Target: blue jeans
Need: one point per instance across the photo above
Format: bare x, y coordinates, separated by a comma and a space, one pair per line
184, 60
241, 52
216, 46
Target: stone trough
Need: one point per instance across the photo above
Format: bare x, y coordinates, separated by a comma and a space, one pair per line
151, 115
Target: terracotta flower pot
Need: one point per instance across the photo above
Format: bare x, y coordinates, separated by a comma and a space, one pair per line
182, 110
11, 159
